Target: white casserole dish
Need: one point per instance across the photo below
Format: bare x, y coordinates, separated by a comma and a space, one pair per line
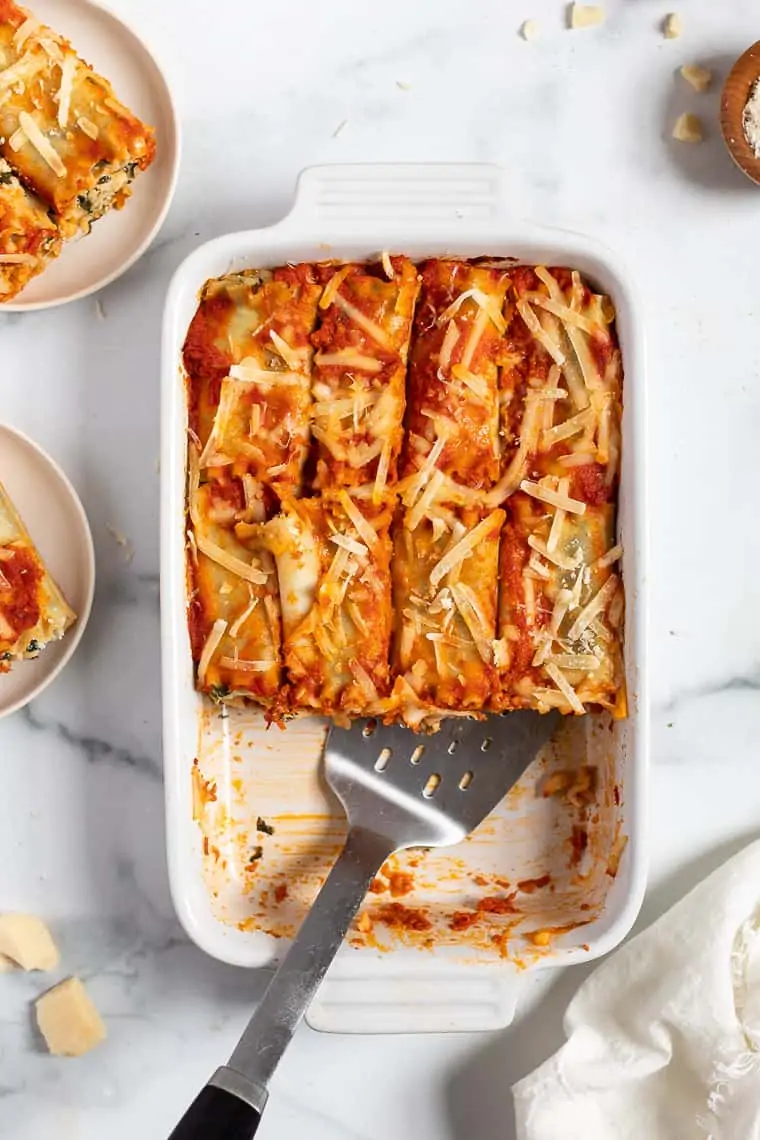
394, 984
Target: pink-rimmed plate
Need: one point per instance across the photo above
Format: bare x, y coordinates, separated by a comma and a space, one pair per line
122, 236
55, 519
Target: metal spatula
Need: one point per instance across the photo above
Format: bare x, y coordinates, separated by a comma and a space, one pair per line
399, 790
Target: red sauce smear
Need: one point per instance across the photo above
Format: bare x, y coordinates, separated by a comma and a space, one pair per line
498, 904
579, 842
528, 886
396, 914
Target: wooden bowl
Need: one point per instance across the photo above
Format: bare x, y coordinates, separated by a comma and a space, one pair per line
736, 91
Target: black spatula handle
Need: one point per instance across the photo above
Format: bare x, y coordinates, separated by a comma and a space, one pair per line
216, 1114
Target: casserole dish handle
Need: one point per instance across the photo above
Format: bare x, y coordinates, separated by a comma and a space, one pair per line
436, 998
420, 193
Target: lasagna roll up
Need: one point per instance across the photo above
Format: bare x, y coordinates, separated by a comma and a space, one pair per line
28, 237
362, 345
64, 130
333, 564
233, 612
445, 577
33, 611
561, 601
248, 358
561, 604
453, 385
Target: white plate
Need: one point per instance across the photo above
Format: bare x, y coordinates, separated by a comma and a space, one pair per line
55, 519
464, 982
118, 239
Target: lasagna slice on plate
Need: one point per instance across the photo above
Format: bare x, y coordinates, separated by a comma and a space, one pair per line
65, 133
33, 610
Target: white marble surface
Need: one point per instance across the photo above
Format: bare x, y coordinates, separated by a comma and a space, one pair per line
581, 121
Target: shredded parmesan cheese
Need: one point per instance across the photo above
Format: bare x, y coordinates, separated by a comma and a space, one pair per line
349, 544
240, 621
464, 548
583, 662
370, 327
66, 88
383, 467
450, 338
229, 561
594, 607
364, 529
558, 522
562, 560
363, 680
17, 140
553, 498
348, 358
37, 139
240, 665
24, 31
535, 327
418, 511
333, 285
218, 630
387, 265
570, 427
489, 305
612, 555
88, 127
564, 686
293, 357
17, 259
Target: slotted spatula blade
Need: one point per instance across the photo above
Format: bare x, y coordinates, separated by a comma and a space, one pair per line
399, 790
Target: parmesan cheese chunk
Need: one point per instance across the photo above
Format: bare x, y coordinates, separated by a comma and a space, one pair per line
688, 128
672, 26
26, 940
697, 77
530, 29
68, 1019
586, 15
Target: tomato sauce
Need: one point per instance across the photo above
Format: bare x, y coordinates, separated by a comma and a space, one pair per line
587, 483
20, 605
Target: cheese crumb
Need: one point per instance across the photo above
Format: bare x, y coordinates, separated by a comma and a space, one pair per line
672, 26
586, 15
26, 940
688, 128
540, 937
530, 30
68, 1019
698, 77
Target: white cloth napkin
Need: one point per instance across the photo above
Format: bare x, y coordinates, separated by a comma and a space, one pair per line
664, 1038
